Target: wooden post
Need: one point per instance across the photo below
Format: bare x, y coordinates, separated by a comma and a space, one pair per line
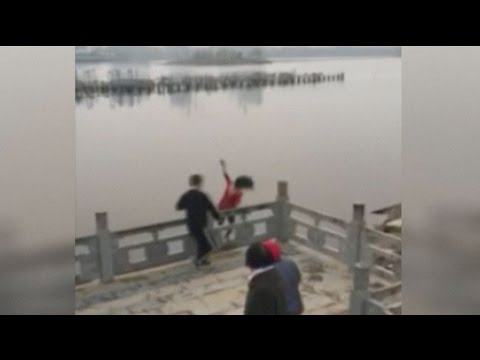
105, 248
359, 294
283, 213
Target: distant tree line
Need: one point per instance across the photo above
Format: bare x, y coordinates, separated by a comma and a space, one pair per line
230, 54
221, 56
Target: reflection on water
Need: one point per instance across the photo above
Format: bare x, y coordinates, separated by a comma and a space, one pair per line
244, 98
87, 101
249, 97
117, 100
182, 100
119, 71
128, 86
130, 100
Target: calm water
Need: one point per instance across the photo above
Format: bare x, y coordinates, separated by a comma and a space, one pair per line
334, 143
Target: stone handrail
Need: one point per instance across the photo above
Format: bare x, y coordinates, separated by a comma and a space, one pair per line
110, 253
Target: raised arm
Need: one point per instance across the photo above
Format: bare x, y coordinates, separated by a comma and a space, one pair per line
223, 164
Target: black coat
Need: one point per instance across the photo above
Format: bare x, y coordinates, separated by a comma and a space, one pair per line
198, 205
266, 295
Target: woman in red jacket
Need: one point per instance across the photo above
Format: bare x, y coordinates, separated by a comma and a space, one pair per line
232, 196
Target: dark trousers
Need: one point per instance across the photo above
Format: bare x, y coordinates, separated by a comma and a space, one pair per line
198, 234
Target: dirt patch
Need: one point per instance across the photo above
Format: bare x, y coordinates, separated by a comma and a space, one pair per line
332, 295
313, 268
376, 285
315, 277
132, 279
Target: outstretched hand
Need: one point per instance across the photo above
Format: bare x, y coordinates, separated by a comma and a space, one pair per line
223, 163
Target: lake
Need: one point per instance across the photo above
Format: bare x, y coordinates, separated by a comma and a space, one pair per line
335, 143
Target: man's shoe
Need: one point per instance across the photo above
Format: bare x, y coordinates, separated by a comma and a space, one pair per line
201, 262
205, 262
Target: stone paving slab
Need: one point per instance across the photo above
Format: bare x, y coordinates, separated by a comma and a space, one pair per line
180, 289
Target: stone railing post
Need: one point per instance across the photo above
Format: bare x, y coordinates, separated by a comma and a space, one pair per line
105, 248
357, 248
360, 294
214, 238
283, 212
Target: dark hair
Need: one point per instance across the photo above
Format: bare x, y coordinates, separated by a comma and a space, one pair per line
244, 182
195, 180
258, 256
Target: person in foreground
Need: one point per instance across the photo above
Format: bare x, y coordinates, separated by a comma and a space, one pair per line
290, 275
198, 205
266, 294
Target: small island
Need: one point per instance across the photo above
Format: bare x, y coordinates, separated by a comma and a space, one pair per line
222, 57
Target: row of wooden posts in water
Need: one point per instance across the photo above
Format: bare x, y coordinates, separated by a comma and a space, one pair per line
171, 85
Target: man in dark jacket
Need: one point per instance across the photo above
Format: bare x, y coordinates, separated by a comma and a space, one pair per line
198, 205
290, 274
266, 294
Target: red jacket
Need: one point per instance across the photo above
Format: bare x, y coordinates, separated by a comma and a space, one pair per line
231, 198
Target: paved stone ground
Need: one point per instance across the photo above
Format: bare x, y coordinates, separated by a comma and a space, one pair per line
219, 289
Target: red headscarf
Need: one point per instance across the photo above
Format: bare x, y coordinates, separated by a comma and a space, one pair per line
273, 248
